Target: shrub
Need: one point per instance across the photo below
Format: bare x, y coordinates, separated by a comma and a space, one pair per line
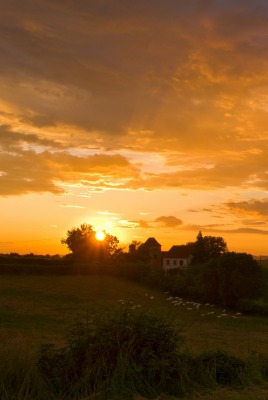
258, 306
240, 277
221, 368
124, 349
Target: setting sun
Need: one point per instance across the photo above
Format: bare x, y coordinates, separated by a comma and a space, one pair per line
115, 152
100, 235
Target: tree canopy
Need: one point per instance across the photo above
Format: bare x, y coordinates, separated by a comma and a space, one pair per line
226, 280
240, 277
83, 244
206, 248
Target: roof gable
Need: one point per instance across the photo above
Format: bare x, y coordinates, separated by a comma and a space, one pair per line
151, 242
181, 251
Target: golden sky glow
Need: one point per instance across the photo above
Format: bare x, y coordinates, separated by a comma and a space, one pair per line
141, 118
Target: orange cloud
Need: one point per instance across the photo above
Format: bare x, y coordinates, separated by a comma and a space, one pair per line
171, 221
249, 207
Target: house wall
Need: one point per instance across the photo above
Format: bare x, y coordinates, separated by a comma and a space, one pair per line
155, 256
172, 263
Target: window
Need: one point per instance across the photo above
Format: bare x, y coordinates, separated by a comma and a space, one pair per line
174, 262
181, 262
167, 262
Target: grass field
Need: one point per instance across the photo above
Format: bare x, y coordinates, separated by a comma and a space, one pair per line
39, 309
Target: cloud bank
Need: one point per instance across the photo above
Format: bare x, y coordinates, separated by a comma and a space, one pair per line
90, 92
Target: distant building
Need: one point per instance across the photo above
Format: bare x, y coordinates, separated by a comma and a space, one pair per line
178, 257
151, 251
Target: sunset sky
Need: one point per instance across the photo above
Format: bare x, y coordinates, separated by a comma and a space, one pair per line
143, 118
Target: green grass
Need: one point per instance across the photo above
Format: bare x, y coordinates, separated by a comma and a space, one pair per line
39, 309
35, 310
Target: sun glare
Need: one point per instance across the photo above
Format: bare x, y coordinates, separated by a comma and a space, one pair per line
100, 235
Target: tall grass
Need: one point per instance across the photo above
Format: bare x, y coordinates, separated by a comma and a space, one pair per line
19, 375
118, 355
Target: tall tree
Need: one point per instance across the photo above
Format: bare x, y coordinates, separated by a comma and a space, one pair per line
81, 241
206, 248
240, 277
83, 244
110, 247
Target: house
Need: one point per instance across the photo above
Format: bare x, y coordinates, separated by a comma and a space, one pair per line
151, 250
178, 257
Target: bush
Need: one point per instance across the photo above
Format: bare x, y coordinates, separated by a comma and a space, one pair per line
258, 306
221, 368
240, 277
124, 350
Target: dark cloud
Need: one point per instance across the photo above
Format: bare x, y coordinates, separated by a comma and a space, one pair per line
28, 172
255, 207
171, 221
187, 80
221, 230
249, 231
10, 139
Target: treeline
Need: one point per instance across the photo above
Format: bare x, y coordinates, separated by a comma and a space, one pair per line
14, 263
15, 258
233, 280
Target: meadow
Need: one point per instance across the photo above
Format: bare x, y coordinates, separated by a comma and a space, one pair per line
35, 310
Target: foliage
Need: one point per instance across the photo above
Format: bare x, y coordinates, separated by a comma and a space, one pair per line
85, 247
133, 347
203, 281
80, 241
254, 306
10, 259
206, 248
220, 367
240, 277
37, 265
225, 280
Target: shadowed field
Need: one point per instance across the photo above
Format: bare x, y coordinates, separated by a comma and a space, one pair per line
39, 309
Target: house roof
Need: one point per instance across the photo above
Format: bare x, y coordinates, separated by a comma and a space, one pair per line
151, 242
181, 251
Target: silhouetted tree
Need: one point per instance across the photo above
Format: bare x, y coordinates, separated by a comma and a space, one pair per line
80, 241
240, 277
226, 280
110, 247
85, 247
206, 248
